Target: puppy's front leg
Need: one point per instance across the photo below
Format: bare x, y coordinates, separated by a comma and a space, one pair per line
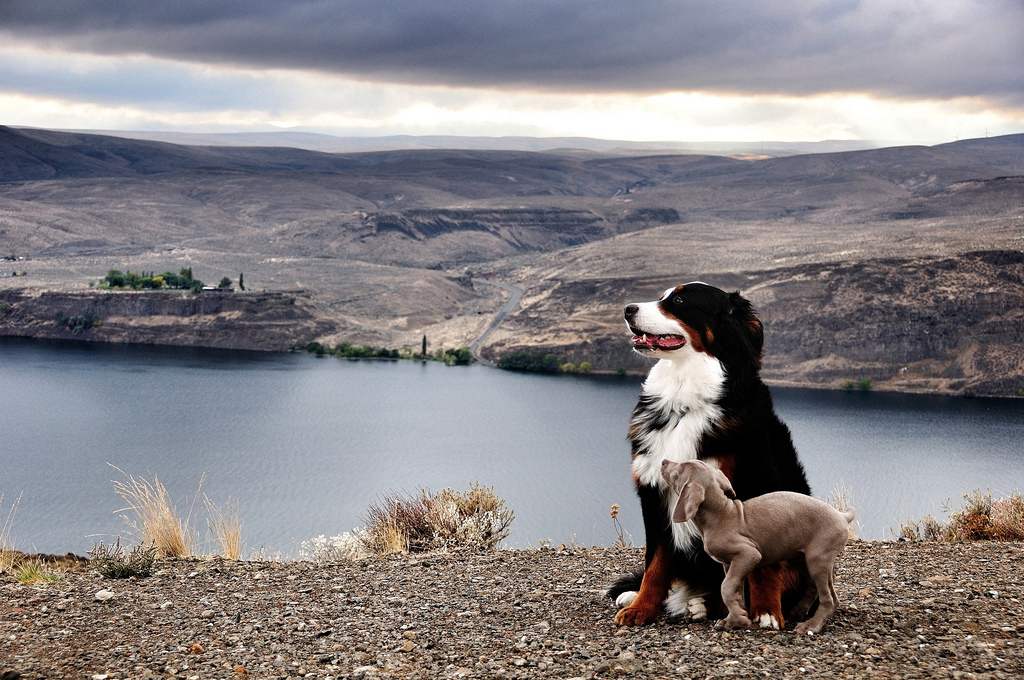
732, 588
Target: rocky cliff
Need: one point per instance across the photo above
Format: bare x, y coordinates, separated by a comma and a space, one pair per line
260, 321
930, 324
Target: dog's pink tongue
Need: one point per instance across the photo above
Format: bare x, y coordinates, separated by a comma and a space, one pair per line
670, 341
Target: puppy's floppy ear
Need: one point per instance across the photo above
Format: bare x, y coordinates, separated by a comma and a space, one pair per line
690, 498
724, 482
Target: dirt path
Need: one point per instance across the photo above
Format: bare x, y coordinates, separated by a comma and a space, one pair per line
517, 295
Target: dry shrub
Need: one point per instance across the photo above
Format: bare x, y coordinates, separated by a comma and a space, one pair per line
154, 518
1008, 518
343, 547
113, 561
448, 520
226, 526
931, 529
910, 531
928, 529
981, 518
7, 554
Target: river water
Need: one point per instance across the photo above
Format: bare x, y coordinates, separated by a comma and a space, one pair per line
305, 445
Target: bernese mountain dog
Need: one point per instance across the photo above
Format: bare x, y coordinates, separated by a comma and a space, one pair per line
704, 399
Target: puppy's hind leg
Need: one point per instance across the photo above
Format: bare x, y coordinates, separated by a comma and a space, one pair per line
801, 608
820, 570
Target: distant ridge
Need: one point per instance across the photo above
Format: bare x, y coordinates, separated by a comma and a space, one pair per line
315, 141
899, 265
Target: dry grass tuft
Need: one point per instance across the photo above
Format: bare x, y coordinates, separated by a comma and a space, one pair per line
154, 518
37, 572
928, 529
7, 553
841, 499
981, 518
226, 526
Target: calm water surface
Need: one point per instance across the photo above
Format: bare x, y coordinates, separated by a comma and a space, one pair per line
306, 445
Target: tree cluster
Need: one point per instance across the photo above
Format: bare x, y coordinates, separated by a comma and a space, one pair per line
535, 362
183, 280
529, 362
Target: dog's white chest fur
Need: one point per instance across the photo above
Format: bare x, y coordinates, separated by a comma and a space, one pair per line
683, 393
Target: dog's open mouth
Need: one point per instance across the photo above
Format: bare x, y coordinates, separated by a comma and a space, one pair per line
666, 342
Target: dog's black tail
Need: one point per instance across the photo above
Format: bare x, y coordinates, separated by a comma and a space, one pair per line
624, 584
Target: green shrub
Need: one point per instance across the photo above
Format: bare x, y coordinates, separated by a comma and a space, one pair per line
115, 278
863, 384
527, 361
458, 357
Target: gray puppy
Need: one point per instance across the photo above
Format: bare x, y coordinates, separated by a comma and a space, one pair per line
764, 530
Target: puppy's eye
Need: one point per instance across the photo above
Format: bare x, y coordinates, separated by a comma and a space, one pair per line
677, 300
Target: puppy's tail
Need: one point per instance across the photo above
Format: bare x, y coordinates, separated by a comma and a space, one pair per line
627, 583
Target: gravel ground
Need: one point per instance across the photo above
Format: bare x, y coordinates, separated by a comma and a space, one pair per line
907, 610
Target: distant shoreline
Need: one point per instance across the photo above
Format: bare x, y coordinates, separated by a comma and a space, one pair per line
599, 374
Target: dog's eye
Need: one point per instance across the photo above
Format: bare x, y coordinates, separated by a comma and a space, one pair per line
677, 300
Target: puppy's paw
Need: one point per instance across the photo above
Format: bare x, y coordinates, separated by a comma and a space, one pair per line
625, 599
807, 628
734, 621
768, 622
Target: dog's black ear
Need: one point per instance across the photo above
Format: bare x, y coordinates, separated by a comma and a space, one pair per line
690, 498
742, 312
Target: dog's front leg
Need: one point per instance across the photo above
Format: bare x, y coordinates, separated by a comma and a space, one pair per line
767, 584
653, 590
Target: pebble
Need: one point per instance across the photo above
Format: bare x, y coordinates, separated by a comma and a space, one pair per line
103, 596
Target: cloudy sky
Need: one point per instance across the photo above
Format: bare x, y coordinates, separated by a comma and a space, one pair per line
924, 71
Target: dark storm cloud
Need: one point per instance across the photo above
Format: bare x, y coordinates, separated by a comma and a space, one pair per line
890, 48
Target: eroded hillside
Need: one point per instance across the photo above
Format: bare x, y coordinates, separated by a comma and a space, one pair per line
897, 265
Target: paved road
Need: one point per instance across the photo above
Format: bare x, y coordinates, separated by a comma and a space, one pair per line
517, 295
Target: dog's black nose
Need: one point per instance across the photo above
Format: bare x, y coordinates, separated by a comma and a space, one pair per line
631, 311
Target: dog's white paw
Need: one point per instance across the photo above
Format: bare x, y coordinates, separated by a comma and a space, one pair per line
696, 609
768, 622
625, 599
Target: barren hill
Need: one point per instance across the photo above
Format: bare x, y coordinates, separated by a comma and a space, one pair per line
385, 243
